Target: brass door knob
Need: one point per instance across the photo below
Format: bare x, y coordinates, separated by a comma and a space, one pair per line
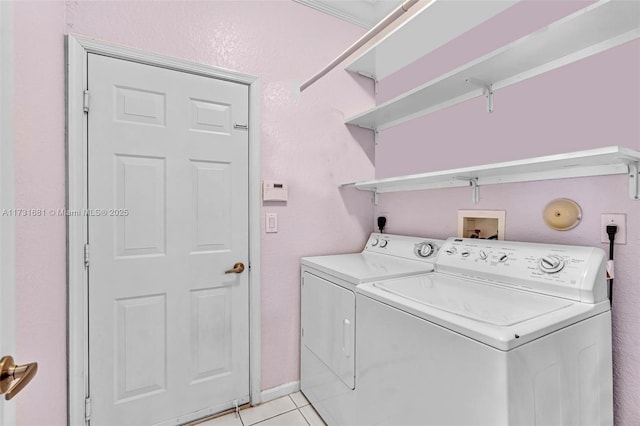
237, 269
13, 378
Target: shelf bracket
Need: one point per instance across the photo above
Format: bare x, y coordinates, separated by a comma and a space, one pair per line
634, 190
375, 198
373, 129
475, 189
372, 77
487, 91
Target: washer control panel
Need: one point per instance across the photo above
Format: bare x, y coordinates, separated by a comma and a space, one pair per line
416, 248
572, 272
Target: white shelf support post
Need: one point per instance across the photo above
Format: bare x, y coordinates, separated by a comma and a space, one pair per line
634, 190
487, 91
375, 198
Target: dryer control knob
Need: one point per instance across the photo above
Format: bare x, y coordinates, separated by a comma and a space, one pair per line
383, 243
451, 250
482, 255
502, 257
374, 242
551, 264
465, 253
424, 250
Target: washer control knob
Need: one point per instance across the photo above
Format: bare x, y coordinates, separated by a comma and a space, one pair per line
451, 250
503, 258
383, 243
424, 249
551, 264
374, 242
465, 253
482, 255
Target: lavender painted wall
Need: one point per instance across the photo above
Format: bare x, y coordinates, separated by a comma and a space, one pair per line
595, 102
303, 140
592, 103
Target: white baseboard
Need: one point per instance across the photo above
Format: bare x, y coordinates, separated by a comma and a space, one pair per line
278, 391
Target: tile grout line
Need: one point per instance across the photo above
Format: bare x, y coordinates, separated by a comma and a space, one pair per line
298, 408
304, 417
272, 417
300, 411
257, 423
279, 414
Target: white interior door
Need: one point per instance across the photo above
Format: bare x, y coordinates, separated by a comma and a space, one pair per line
7, 237
168, 215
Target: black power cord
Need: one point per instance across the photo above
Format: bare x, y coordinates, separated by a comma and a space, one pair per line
611, 232
382, 221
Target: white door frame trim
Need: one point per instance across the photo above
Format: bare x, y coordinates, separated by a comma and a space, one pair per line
7, 196
77, 49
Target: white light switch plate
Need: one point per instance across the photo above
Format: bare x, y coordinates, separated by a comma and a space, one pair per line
271, 222
619, 219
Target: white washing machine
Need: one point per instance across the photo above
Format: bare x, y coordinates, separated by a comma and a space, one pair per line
502, 333
328, 315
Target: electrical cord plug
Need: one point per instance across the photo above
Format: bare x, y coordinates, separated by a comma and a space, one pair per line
611, 232
382, 221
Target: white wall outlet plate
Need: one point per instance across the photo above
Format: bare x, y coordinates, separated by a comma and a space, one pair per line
619, 219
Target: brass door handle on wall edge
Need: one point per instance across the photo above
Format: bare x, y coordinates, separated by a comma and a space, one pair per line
237, 269
10, 372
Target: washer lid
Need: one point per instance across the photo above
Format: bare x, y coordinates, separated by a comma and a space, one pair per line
479, 302
357, 268
498, 316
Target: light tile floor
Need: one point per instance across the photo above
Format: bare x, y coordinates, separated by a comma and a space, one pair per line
290, 410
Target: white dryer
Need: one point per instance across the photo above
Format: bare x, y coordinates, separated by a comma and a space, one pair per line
502, 333
328, 315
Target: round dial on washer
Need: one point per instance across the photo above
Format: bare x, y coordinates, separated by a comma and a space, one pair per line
552, 263
384, 243
482, 254
424, 249
502, 257
451, 250
374, 242
465, 253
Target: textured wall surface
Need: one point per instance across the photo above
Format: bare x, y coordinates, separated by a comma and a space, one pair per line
303, 142
589, 104
592, 103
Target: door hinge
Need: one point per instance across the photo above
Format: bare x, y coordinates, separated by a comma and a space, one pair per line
87, 409
86, 255
85, 101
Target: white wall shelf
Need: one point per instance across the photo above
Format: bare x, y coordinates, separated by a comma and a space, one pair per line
439, 22
594, 162
598, 27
